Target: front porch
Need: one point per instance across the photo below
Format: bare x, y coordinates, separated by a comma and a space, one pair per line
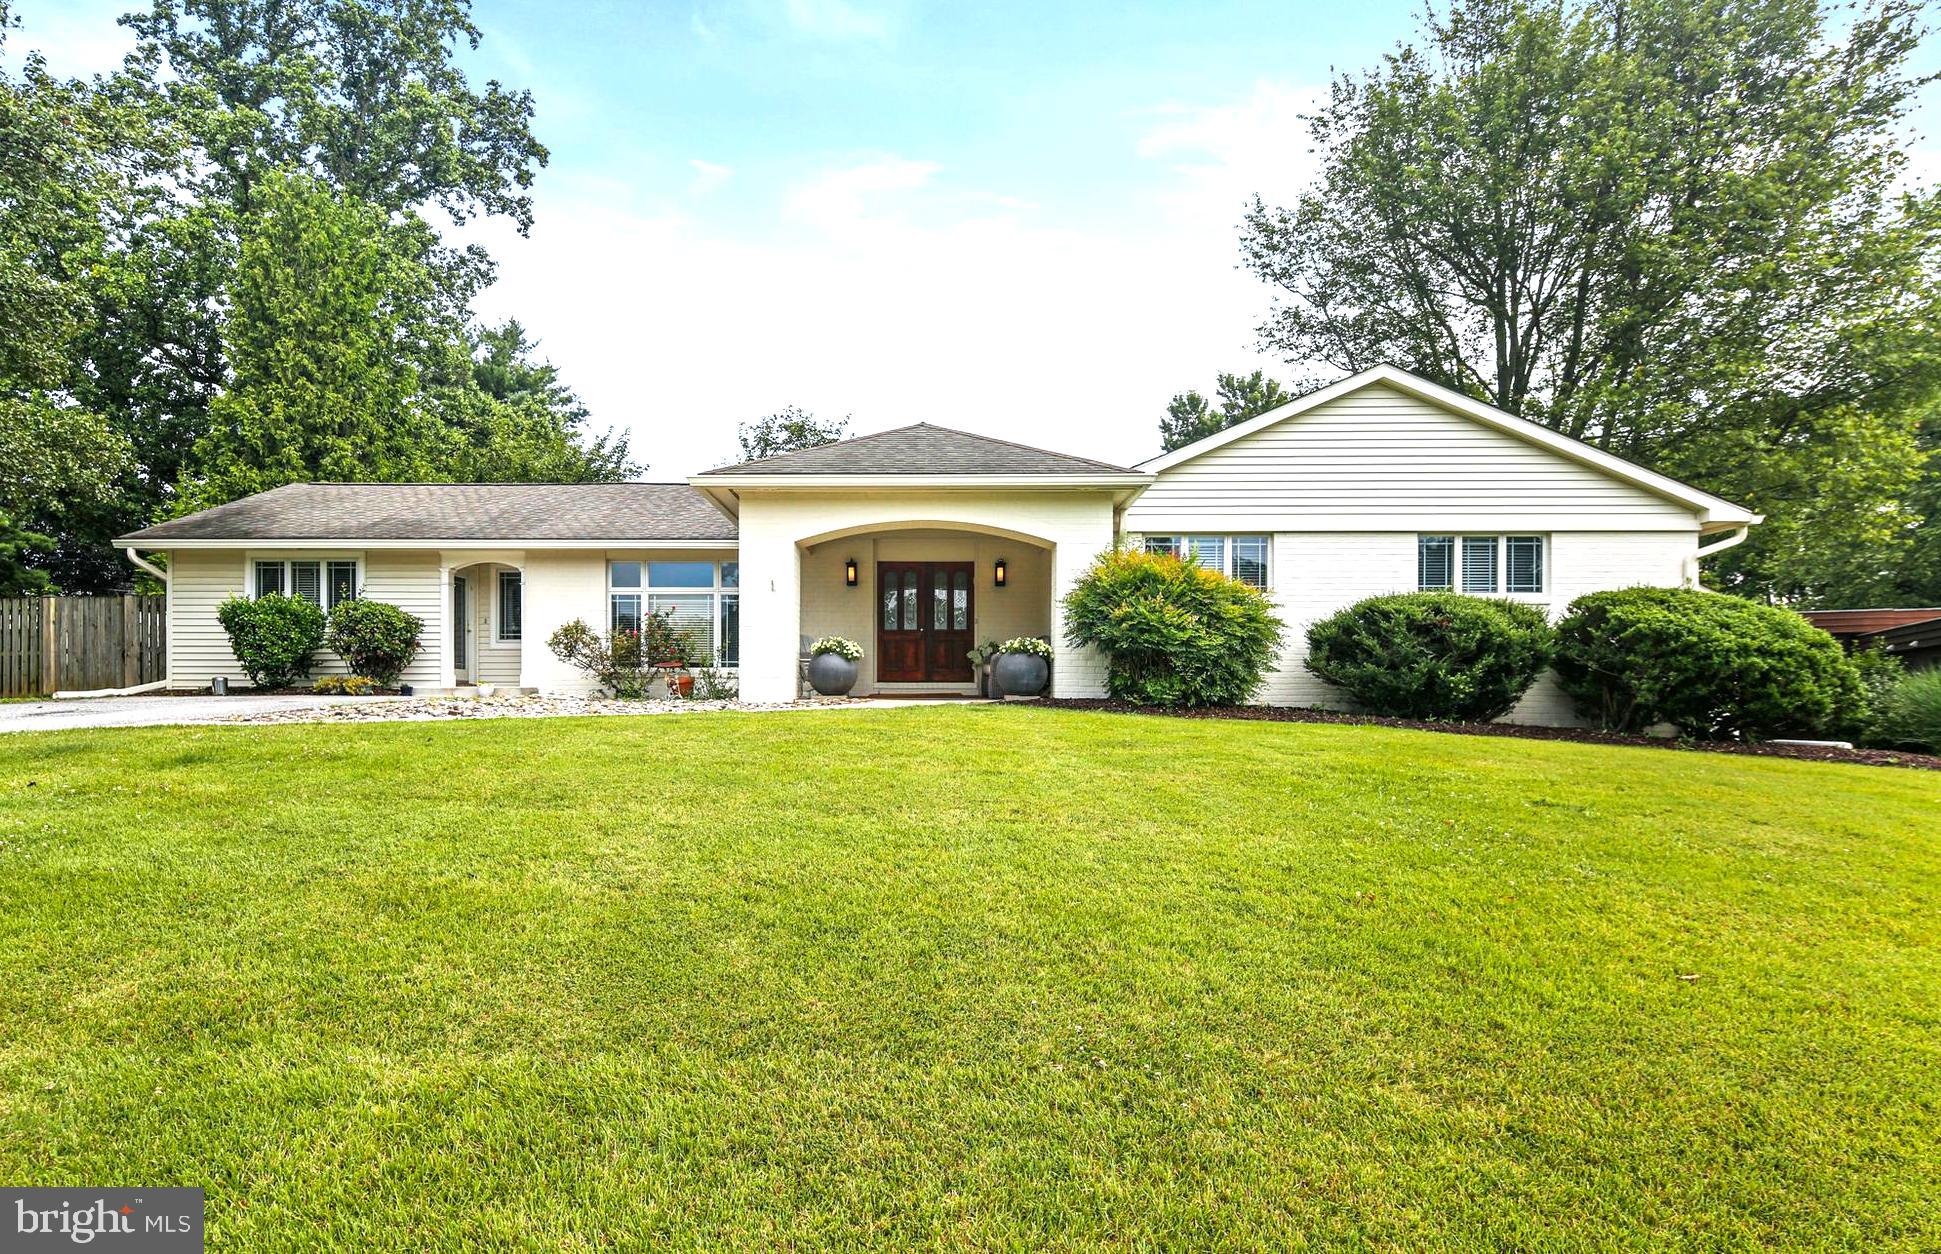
919, 599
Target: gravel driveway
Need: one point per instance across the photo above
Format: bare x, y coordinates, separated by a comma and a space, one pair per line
152, 711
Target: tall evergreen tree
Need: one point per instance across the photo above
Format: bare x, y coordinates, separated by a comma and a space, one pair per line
1189, 416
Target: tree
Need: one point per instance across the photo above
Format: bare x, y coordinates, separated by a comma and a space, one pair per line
1669, 227
1190, 418
786, 431
330, 296
513, 420
55, 455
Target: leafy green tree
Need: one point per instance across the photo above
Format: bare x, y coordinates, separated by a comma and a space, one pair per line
55, 455
786, 431
1190, 418
512, 419
329, 297
1673, 228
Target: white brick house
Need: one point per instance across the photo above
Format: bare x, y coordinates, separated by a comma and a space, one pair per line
1381, 482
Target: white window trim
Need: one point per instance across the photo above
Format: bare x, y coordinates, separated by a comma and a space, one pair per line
1502, 540
717, 590
499, 638
1182, 541
323, 558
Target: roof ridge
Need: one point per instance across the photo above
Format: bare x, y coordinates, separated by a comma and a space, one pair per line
931, 426
854, 439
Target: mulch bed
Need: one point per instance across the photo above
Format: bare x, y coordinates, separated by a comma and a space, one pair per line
1295, 714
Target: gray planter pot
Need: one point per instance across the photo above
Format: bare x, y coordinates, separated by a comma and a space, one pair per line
1020, 674
832, 675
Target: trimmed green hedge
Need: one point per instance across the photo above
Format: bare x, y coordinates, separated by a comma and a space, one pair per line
273, 636
374, 639
1715, 666
1432, 655
1173, 633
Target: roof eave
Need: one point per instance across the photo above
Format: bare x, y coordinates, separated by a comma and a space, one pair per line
164, 543
714, 481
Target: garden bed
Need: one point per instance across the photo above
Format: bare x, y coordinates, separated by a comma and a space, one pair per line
1300, 714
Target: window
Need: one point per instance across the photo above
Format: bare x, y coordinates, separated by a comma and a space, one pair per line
1490, 565
1524, 563
700, 598
1242, 557
511, 605
306, 580
342, 583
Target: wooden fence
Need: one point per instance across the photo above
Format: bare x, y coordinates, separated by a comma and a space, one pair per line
80, 644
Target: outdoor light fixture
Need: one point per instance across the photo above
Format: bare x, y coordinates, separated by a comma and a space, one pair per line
849, 573
1002, 572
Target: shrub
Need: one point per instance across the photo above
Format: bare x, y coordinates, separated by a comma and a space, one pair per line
838, 645
273, 636
1432, 655
374, 639
1173, 633
614, 660
345, 685
1712, 665
1880, 673
1910, 715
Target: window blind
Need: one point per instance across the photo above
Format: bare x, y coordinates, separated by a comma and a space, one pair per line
1524, 558
1435, 562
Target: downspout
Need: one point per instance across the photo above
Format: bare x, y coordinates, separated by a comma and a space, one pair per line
142, 563
1732, 541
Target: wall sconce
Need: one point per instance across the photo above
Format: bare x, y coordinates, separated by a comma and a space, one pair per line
1001, 572
849, 573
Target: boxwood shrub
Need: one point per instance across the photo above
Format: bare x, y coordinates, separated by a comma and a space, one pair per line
1173, 633
374, 639
1714, 666
1432, 655
273, 636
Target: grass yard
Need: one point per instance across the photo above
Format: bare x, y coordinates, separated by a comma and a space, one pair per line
988, 975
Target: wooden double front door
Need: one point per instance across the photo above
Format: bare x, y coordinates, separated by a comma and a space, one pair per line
924, 622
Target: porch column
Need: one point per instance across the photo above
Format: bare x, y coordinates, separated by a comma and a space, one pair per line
447, 665
771, 607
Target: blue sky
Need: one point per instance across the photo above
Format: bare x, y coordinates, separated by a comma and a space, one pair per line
1014, 218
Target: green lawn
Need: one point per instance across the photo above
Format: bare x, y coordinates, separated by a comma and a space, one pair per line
986, 975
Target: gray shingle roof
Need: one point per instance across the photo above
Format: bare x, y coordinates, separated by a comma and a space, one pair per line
922, 449
455, 511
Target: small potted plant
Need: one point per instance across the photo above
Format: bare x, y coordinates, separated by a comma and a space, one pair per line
833, 665
980, 659
1022, 667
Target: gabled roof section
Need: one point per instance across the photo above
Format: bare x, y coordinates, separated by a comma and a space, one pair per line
1712, 510
923, 449
354, 512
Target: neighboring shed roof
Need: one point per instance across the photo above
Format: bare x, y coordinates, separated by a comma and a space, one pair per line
1918, 643
922, 449
453, 511
1861, 622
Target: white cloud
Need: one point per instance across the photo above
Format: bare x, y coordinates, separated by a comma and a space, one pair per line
878, 288
834, 19
78, 39
1224, 154
707, 176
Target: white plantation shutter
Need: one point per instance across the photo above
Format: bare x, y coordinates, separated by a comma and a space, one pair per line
306, 581
1479, 564
692, 613
1208, 551
269, 578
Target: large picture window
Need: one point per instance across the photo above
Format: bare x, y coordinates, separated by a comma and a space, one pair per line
1480, 565
700, 598
1241, 557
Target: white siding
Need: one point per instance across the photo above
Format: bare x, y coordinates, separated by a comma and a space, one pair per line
1317, 573
1377, 459
201, 580
565, 584
494, 661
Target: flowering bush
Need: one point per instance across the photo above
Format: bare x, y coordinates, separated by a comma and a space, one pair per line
839, 646
345, 685
1027, 644
624, 662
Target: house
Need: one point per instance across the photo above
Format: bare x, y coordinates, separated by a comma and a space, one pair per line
1912, 635
922, 541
